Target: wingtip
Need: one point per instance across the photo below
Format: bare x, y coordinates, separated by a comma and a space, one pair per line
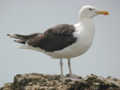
8, 35
11, 35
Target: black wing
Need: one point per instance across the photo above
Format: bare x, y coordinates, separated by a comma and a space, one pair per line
55, 38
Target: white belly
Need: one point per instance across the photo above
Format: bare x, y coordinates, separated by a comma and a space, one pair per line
69, 52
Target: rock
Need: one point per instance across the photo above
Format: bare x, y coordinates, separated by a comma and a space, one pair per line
34, 81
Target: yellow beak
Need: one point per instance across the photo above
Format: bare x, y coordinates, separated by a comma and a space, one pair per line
102, 12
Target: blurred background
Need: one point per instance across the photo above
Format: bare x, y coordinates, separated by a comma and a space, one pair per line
29, 16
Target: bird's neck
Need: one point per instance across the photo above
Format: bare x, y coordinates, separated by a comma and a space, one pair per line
87, 23
86, 20
86, 27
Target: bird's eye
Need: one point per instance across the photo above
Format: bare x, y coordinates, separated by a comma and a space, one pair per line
90, 9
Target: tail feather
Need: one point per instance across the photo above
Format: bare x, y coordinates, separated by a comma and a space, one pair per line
20, 41
22, 38
12, 36
18, 36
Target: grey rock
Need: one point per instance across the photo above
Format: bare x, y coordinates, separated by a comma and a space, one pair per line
35, 81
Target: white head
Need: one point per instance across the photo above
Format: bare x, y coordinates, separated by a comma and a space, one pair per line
89, 11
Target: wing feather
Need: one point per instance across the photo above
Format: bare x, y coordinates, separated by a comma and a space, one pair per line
55, 38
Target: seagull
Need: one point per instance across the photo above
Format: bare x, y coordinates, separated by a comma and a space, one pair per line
64, 41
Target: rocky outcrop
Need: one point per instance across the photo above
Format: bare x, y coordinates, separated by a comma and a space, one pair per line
35, 81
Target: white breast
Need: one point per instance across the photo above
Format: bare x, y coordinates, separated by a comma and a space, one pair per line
84, 33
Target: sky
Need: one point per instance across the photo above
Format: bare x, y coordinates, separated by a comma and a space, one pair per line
31, 16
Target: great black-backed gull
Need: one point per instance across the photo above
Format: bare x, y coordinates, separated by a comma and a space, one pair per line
64, 40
